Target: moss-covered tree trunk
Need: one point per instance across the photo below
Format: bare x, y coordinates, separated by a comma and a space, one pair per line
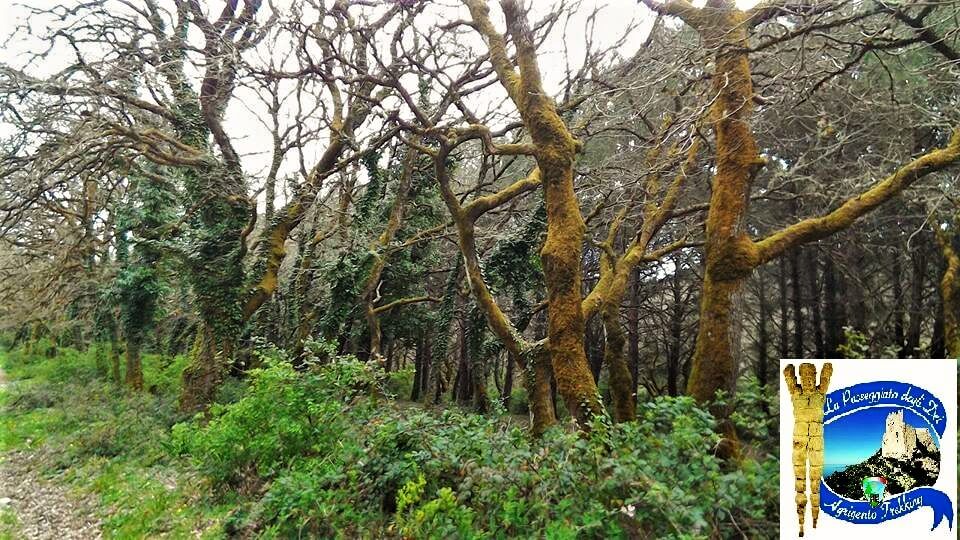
114, 361
621, 380
555, 151
561, 264
134, 374
950, 294
536, 378
728, 251
207, 369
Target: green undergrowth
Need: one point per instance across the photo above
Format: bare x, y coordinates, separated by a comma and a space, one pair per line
108, 443
327, 453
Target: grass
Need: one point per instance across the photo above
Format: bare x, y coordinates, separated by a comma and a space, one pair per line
107, 443
9, 527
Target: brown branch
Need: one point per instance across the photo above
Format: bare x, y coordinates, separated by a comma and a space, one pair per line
403, 302
816, 228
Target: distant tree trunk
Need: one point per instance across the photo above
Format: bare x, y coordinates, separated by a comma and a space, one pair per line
621, 383
763, 338
592, 345
815, 304
134, 374
897, 275
100, 359
676, 335
427, 365
833, 320
919, 259
633, 329
950, 292
388, 364
417, 371
114, 360
463, 386
796, 286
508, 381
784, 306
938, 346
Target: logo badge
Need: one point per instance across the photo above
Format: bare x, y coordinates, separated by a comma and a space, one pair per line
873, 444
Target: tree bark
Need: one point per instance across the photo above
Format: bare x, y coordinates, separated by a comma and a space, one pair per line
621, 382
202, 377
950, 293
728, 251
919, 274
134, 375
796, 287
815, 305
833, 318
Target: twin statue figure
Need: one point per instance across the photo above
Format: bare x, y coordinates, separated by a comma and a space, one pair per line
808, 399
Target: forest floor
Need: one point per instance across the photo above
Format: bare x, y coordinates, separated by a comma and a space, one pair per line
34, 508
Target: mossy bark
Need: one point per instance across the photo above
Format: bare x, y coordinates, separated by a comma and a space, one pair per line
950, 294
561, 263
730, 255
134, 374
621, 381
536, 378
207, 369
114, 362
372, 280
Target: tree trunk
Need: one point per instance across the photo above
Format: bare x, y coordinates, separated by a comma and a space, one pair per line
938, 345
815, 307
508, 382
114, 361
537, 379
919, 259
555, 151
676, 337
730, 255
207, 369
763, 337
796, 287
832, 318
134, 374
784, 307
417, 371
633, 330
621, 383
898, 336
950, 293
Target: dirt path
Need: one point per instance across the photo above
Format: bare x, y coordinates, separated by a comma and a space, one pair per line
32, 508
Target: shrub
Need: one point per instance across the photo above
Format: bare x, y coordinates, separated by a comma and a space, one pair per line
283, 416
335, 462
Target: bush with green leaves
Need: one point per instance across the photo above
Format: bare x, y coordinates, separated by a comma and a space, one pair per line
284, 416
336, 461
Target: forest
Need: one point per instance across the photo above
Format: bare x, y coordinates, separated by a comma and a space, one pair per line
454, 268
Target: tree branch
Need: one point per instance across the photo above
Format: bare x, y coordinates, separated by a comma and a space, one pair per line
816, 228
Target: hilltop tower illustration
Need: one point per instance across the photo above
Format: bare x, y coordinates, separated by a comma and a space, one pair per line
808, 398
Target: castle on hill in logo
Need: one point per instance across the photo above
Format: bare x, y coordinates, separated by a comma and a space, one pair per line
873, 488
